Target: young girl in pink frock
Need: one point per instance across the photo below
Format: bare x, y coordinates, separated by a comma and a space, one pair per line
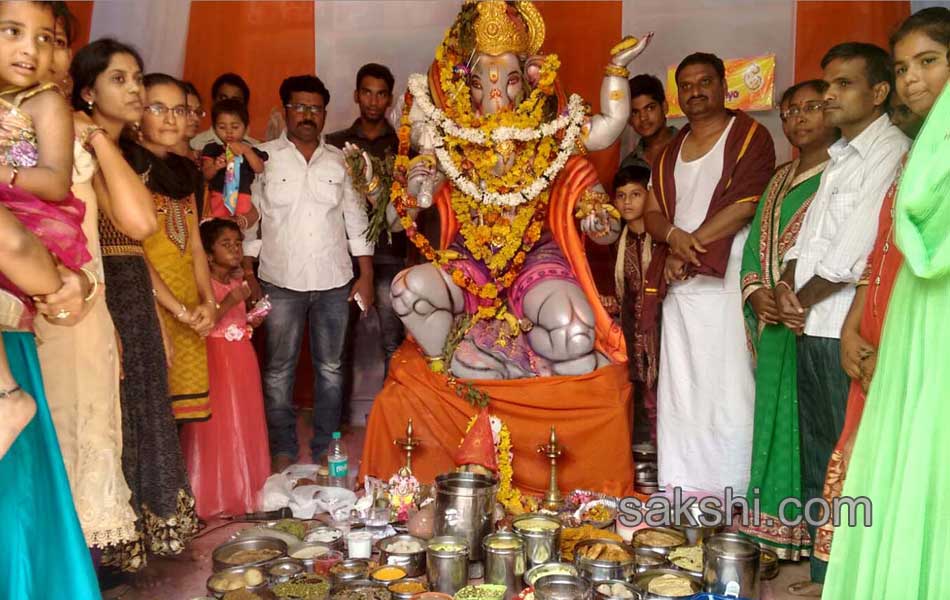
227, 456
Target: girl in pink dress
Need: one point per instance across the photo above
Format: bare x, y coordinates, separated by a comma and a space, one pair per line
227, 456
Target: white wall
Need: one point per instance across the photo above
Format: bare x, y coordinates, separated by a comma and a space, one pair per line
401, 35
727, 28
158, 29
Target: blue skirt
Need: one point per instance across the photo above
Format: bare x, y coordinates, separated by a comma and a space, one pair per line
42, 550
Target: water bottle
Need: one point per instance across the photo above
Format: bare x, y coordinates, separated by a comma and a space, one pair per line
337, 464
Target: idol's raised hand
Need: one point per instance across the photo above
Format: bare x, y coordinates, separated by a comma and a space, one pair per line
629, 49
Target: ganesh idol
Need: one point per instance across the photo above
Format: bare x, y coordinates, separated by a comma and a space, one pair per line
492, 144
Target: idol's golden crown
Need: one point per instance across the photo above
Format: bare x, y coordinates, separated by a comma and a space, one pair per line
500, 28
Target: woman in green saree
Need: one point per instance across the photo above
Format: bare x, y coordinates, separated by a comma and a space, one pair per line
776, 470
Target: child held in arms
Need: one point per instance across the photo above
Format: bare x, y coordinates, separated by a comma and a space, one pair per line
229, 168
38, 213
634, 250
227, 456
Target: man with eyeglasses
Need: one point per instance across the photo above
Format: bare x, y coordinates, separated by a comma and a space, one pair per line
312, 220
226, 86
827, 261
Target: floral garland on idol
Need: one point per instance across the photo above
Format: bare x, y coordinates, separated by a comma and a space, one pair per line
500, 216
508, 495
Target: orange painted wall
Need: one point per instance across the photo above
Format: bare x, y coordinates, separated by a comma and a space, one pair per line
82, 10
584, 51
821, 25
262, 41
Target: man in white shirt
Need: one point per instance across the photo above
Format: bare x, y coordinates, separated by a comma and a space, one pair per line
226, 86
312, 220
829, 256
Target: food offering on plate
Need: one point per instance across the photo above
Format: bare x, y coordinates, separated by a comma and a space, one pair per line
387, 574
600, 513
484, 591
610, 552
658, 539
241, 594
615, 589
308, 551
404, 546
249, 557
294, 527
688, 558
231, 580
324, 535
671, 585
362, 592
407, 588
304, 587
353, 568
572, 536
535, 524
578, 498
535, 573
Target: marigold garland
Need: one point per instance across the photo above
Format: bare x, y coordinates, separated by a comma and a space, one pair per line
508, 495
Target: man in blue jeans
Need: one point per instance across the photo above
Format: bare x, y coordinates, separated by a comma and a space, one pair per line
312, 220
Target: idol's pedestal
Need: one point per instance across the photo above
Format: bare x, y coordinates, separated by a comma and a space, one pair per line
591, 413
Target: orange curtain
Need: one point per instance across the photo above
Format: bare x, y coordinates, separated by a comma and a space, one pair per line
821, 25
82, 10
264, 42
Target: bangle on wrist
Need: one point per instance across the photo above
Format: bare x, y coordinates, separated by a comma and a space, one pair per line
93, 282
669, 233
785, 283
14, 171
181, 313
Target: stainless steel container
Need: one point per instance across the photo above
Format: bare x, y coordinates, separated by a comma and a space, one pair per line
464, 503
629, 587
646, 560
731, 565
642, 583
330, 536
413, 562
302, 549
284, 569
693, 529
353, 569
555, 568
562, 587
598, 570
397, 595
219, 576
447, 564
641, 539
224, 551
541, 545
504, 561
768, 564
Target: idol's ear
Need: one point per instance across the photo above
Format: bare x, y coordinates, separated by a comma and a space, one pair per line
532, 69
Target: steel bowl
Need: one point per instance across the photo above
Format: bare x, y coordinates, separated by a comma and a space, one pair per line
693, 528
406, 595
385, 582
226, 550
554, 568
562, 587
284, 569
218, 593
627, 585
541, 545
768, 564
598, 570
309, 563
414, 563
356, 569
642, 584
324, 534
638, 541
647, 560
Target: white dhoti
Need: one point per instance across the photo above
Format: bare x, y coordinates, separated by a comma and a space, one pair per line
706, 387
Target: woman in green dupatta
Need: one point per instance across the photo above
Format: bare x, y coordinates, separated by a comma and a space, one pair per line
900, 454
776, 469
